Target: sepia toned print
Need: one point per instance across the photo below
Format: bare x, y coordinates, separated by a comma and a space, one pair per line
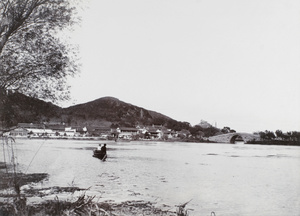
171, 108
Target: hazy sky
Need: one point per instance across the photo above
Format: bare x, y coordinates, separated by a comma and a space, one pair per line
233, 62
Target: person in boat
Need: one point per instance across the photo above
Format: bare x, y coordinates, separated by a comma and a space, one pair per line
103, 149
103, 152
100, 152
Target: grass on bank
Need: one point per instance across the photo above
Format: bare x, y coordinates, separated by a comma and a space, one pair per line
15, 201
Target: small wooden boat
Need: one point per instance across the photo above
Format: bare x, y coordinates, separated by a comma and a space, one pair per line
99, 154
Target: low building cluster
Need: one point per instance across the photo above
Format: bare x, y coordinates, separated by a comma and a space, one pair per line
32, 130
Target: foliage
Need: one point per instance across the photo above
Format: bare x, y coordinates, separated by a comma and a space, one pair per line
279, 133
32, 58
269, 135
291, 136
227, 130
295, 136
262, 135
196, 131
210, 131
177, 125
16, 108
83, 205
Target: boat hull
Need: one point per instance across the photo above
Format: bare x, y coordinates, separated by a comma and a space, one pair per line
99, 154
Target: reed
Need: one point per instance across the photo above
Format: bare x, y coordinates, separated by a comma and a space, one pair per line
181, 211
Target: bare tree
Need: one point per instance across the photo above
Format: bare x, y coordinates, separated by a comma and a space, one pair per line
33, 60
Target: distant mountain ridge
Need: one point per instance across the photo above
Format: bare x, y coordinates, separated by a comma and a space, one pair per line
103, 111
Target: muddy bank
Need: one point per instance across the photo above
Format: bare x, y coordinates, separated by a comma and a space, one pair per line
16, 189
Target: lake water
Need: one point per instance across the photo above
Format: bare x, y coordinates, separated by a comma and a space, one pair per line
225, 178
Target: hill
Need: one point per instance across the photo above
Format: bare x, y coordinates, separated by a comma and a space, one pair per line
109, 110
16, 107
104, 111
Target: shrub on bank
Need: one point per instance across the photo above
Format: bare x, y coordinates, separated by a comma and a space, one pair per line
275, 142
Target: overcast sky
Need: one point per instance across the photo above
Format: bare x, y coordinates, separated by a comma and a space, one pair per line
235, 63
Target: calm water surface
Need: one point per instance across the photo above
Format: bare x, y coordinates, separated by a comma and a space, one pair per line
227, 179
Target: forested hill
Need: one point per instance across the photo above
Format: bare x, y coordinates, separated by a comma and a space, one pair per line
16, 108
101, 112
113, 111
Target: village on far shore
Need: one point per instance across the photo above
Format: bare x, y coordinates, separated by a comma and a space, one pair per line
63, 131
55, 130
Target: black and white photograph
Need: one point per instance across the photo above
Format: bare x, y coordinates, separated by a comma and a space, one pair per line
149, 107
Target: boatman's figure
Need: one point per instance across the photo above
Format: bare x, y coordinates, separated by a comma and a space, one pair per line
103, 150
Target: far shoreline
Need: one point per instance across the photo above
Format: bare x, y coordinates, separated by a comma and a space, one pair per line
261, 142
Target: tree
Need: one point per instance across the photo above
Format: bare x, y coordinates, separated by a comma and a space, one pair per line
295, 136
196, 131
262, 135
270, 135
279, 134
226, 130
267, 135
210, 131
33, 60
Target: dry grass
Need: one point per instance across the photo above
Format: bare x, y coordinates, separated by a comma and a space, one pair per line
84, 205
